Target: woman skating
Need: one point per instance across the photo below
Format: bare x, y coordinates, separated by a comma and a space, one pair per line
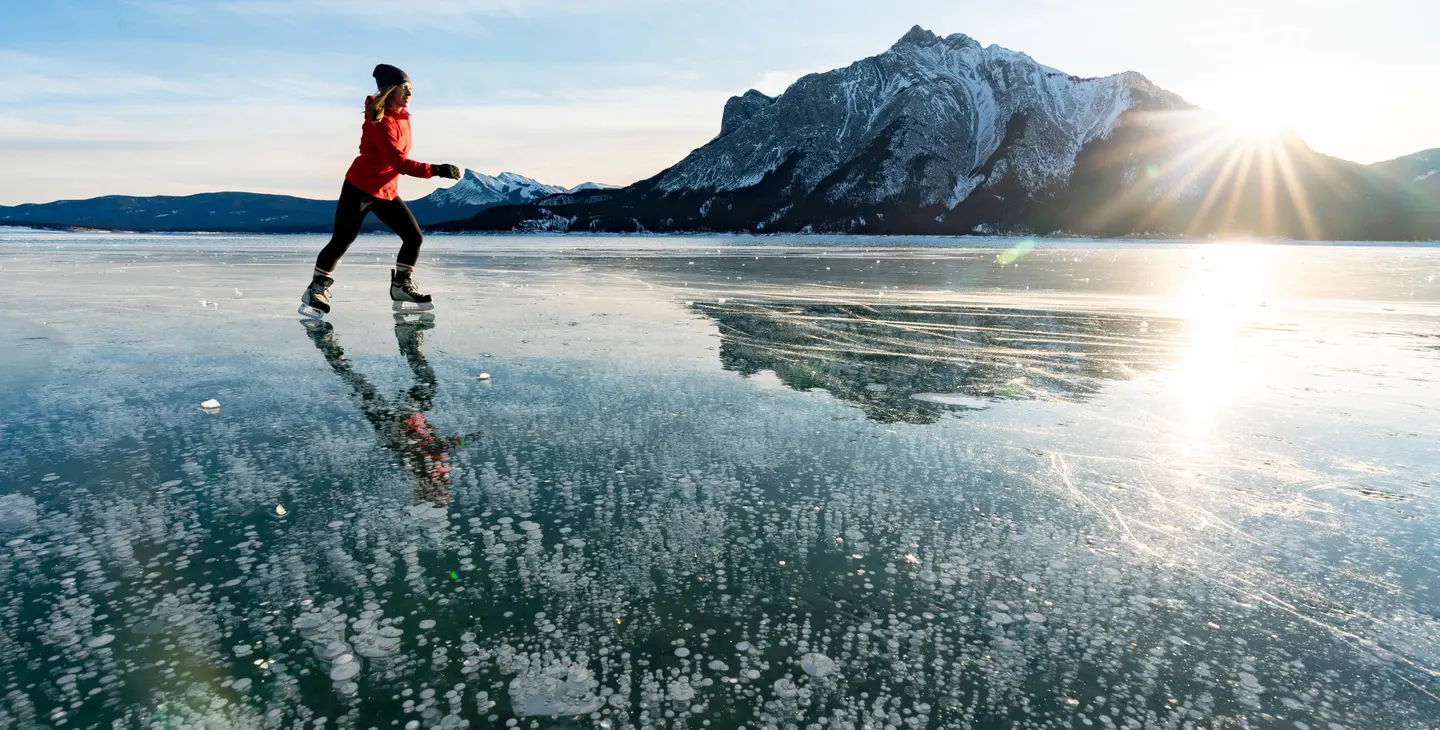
371, 185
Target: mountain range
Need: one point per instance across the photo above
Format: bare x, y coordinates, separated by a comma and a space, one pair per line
946, 136
258, 212
935, 135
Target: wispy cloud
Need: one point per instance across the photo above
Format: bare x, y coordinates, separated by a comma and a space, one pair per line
773, 83
263, 133
48, 77
452, 16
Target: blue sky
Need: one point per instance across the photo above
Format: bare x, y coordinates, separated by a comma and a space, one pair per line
170, 97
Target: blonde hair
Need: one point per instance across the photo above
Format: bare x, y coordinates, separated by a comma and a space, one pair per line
375, 105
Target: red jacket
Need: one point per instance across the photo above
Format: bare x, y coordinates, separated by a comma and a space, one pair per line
383, 149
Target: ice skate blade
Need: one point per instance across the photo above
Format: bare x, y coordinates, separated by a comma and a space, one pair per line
412, 306
310, 312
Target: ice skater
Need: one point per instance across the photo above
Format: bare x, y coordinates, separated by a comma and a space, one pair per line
371, 184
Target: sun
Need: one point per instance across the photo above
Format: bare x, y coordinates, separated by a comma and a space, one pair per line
1255, 124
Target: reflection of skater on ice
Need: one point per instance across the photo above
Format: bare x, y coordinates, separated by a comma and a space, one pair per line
401, 426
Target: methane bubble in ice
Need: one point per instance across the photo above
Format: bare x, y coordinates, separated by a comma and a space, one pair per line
785, 688
816, 664
554, 691
681, 691
343, 671
17, 513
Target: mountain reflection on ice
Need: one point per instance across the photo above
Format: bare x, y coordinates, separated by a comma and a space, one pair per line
643, 538
900, 362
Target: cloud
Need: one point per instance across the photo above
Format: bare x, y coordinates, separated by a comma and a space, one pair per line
452, 16
774, 83
614, 135
46, 76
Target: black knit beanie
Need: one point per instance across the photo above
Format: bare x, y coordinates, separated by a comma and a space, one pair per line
387, 75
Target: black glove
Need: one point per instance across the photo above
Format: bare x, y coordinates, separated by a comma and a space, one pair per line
449, 171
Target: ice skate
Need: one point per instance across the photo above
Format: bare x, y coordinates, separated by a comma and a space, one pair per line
406, 296
315, 302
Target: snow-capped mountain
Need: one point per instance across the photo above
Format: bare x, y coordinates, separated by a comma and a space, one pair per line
944, 135
937, 107
592, 186
476, 191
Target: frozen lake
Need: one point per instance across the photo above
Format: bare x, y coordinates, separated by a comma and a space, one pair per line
720, 483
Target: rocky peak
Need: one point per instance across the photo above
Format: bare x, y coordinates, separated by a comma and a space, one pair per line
739, 109
917, 36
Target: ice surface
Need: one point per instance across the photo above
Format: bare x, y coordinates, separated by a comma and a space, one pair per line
1142, 499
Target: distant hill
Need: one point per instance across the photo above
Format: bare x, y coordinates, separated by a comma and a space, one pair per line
941, 135
1420, 170
262, 213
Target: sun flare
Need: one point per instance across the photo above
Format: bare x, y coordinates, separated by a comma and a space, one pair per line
1256, 124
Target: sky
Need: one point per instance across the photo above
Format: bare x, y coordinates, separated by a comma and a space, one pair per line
145, 97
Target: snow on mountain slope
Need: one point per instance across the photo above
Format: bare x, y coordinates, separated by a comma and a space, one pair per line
1421, 169
592, 186
475, 190
934, 109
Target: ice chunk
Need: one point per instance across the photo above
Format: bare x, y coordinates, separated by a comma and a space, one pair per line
280, 510
484, 376
816, 664
210, 406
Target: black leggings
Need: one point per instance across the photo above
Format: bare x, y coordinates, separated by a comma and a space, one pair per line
350, 213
